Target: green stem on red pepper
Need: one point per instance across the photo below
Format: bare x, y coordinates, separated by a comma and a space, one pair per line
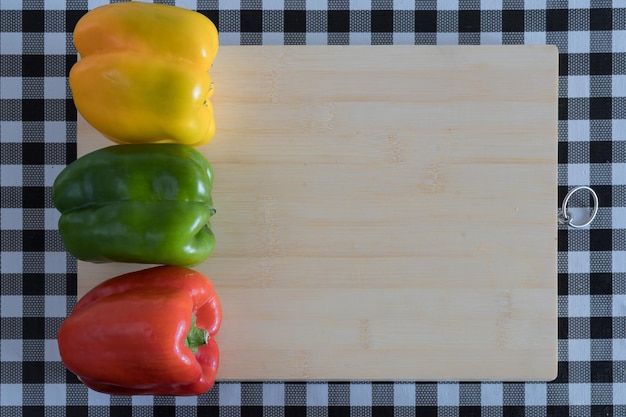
196, 337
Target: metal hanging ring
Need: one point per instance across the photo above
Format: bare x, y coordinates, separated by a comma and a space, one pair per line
566, 218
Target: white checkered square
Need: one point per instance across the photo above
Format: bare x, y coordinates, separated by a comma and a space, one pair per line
230, 38
273, 38
578, 130
618, 173
11, 395
619, 41
619, 305
577, 174
580, 394
51, 350
535, 394
142, 400
54, 394
55, 87
360, 4
51, 219
619, 262
11, 131
11, 350
229, 4
403, 38
578, 262
404, 395
618, 127
11, 219
491, 394
54, 43
404, 4
55, 132
579, 350
448, 394
447, 5
51, 172
316, 5
364, 38
95, 398
186, 4
92, 4
55, 262
618, 85
578, 306
55, 4
10, 43
578, 86
10, 87
186, 401
12, 306
619, 349
361, 395
316, 38
11, 5
317, 395
491, 4
535, 38
578, 41
55, 306
274, 394
230, 394
447, 38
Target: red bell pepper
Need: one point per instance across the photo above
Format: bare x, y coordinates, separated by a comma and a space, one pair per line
147, 332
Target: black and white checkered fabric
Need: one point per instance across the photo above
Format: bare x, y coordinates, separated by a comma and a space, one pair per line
38, 138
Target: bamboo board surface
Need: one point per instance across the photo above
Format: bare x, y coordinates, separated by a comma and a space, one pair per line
383, 212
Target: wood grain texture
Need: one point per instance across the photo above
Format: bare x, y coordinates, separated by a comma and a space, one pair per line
383, 213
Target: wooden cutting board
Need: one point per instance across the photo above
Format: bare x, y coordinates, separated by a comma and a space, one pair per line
383, 212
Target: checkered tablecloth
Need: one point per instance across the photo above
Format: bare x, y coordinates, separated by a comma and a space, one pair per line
38, 138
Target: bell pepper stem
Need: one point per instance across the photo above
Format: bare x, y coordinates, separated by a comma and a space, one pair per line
196, 337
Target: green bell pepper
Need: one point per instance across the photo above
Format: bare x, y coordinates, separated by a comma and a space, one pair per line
139, 203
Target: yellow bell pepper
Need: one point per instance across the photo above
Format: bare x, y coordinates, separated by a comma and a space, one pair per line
143, 74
